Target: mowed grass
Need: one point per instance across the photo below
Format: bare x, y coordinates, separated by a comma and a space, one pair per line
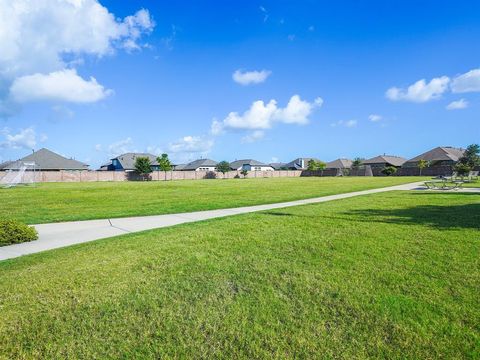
52, 202
393, 275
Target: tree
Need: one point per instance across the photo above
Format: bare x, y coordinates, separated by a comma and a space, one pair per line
389, 170
244, 172
314, 165
471, 156
143, 166
223, 167
422, 164
462, 169
164, 164
357, 162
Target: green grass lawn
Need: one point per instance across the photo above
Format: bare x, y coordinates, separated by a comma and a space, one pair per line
393, 275
51, 202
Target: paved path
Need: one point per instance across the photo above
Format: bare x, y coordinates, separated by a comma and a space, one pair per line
56, 235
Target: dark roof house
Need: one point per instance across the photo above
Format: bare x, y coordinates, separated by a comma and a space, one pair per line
126, 162
278, 166
385, 160
299, 164
442, 155
249, 164
339, 164
46, 160
198, 165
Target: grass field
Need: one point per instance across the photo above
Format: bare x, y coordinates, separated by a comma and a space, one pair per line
393, 275
51, 202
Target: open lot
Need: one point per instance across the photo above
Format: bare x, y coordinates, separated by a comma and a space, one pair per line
393, 275
51, 202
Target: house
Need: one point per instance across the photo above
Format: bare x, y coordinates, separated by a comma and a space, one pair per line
339, 164
279, 166
198, 165
45, 160
299, 164
439, 156
250, 165
382, 161
126, 162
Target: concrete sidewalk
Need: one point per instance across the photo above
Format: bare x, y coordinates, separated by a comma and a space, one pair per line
57, 235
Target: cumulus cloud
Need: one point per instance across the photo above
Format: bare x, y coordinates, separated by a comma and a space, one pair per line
49, 37
63, 85
120, 147
191, 144
261, 116
375, 117
468, 82
457, 105
421, 91
345, 123
250, 77
253, 136
24, 139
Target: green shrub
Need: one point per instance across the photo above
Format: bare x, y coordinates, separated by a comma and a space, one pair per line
389, 170
15, 232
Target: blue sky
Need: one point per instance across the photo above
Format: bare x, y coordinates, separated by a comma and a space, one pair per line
164, 73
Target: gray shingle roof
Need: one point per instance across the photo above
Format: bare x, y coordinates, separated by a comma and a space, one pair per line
278, 166
5, 164
339, 164
127, 160
199, 163
389, 159
440, 153
297, 163
45, 159
239, 163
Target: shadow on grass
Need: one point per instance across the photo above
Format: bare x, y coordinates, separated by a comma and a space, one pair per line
445, 217
273, 213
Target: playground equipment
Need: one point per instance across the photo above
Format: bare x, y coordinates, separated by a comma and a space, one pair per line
20, 173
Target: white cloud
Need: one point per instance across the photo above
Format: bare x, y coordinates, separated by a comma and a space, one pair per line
468, 82
421, 91
120, 147
50, 36
24, 139
375, 117
345, 123
263, 116
457, 105
63, 85
98, 147
250, 77
191, 144
253, 136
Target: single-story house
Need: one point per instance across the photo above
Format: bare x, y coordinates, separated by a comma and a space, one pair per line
45, 160
339, 164
299, 164
279, 166
382, 161
126, 162
439, 156
250, 165
198, 165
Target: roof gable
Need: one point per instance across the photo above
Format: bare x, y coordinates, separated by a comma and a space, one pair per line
45, 159
389, 159
440, 153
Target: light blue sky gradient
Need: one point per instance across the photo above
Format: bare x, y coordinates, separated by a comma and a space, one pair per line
347, 53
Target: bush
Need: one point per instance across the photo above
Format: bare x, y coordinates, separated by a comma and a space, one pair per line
15, 232
389, 170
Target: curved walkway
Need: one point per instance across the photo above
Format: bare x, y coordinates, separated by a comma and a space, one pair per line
57, 235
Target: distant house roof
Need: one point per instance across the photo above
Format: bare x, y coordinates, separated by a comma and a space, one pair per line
198, 164
440, 153
297, 163
179, 166
339, 164
5, 164
278, 166
127, 160
45, 159
237, 164
389, 159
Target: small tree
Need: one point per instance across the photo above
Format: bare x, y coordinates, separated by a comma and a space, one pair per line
244, 172
223, 167
357, 162
422, 164
312, 165
143, 166
462, 169
164, 164
389, 170
471, 156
